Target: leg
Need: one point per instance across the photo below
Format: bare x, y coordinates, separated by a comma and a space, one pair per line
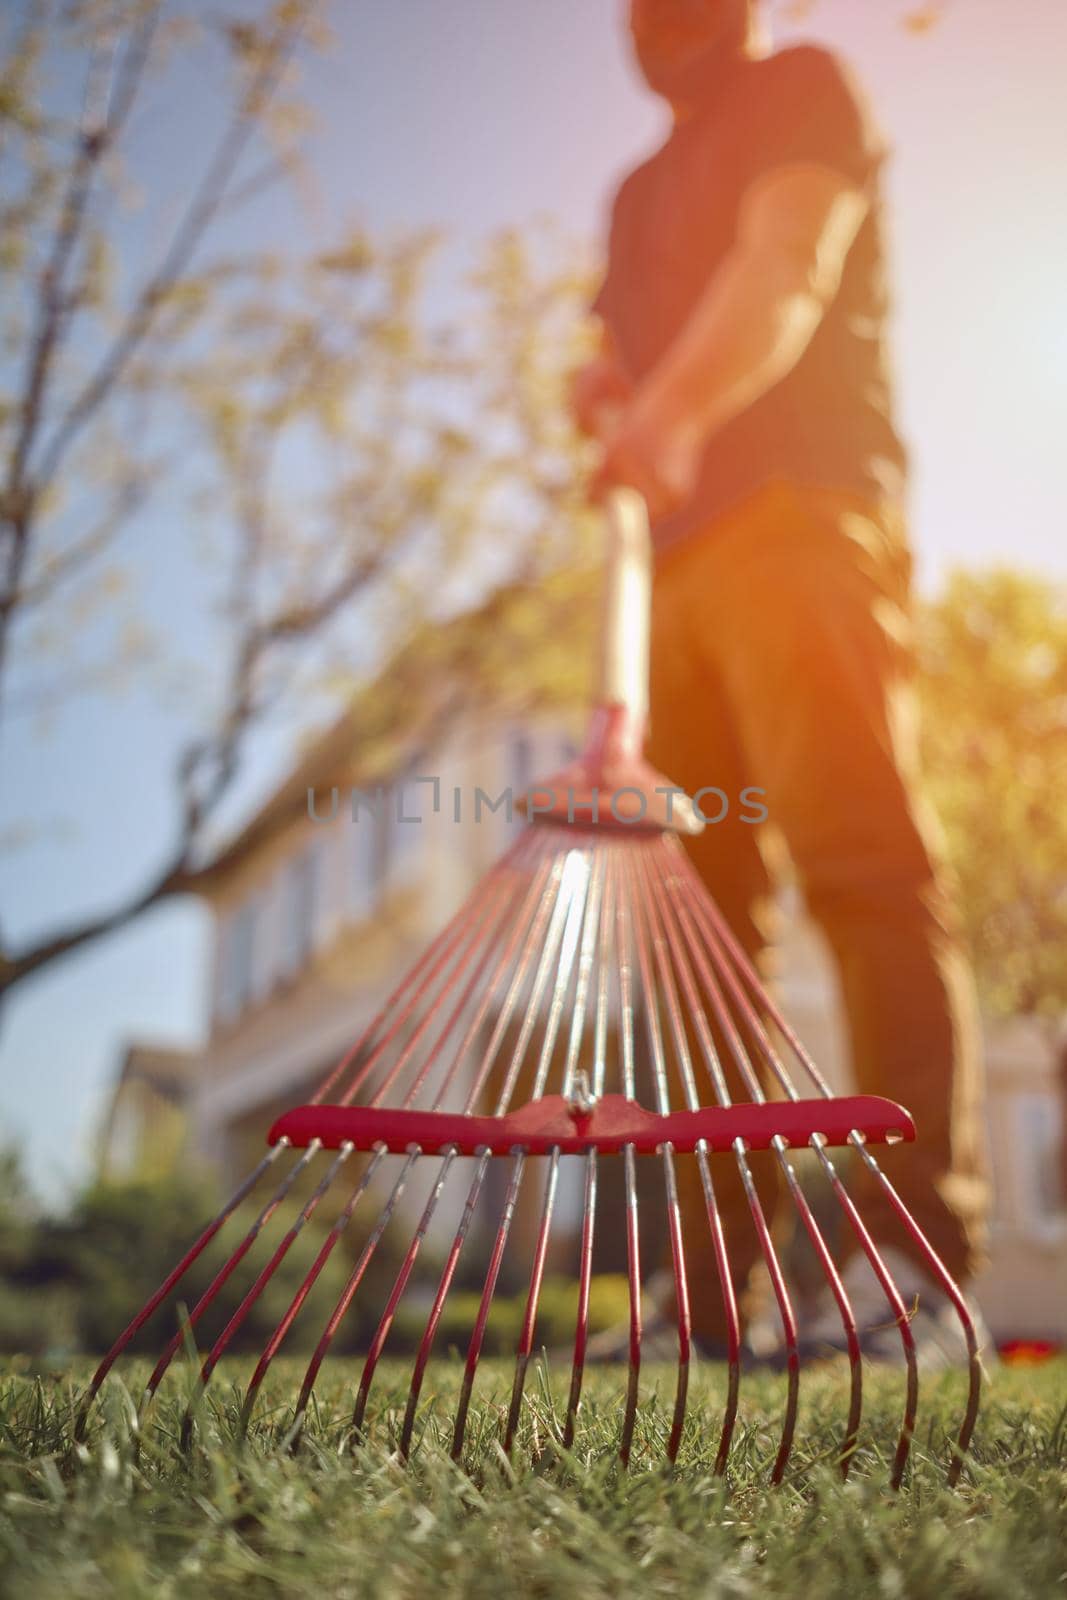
813, 644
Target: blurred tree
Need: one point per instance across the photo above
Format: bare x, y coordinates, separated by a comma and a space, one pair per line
348, 463
994, 686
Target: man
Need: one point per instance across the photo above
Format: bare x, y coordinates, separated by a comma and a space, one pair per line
742, 386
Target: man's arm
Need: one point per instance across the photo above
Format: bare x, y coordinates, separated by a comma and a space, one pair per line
750, 328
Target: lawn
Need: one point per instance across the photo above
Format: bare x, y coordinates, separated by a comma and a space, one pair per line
138, 1517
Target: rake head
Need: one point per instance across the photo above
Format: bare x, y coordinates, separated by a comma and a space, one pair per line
589, 970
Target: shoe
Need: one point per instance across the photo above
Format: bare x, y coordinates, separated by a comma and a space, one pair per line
939, 1337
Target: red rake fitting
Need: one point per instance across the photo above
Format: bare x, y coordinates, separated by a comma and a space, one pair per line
608, 1126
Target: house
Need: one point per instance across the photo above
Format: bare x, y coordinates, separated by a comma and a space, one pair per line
145, 1129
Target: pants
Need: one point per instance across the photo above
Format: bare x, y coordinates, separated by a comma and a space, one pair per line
782, 659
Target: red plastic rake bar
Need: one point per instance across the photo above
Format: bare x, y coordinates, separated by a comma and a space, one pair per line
554, 1124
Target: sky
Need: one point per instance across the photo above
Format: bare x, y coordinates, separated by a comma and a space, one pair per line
472, 115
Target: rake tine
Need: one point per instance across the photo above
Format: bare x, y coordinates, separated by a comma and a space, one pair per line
436, 953
641, 922
681, 1291
633, 1237
744, 1065
633, 1275
763, 1232
915, 1233
661, 949
722, 942
844, 1305
273, 1344
429, 1019
963, 1312
474, 1349
570, 938
585, 1271
896, 1305
196, 1249
719, 935
426, 1343
404, 1274
732, 1319
538, 900
226, 1271
348, 1293
529, 1323
552, 908
235, 1323
386, 1321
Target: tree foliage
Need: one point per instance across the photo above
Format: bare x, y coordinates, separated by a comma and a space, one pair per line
994, 682
347, 462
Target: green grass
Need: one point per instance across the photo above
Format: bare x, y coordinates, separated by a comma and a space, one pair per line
131, 1515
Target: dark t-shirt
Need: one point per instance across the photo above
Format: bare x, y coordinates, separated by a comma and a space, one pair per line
828, 422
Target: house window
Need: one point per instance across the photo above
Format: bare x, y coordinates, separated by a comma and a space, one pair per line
299, 910
406, 833
1038, 1135
238, 940
370, 845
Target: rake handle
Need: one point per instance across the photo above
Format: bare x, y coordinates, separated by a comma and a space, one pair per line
627, 599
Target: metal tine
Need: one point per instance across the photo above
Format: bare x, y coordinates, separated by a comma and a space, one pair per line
439, 947
662, 1092
227, 1269
585, 1264
576, 919
355, 1279
286, 1243
422, 1355
544, 966
274, 1343
915, 1233
533, 1296
196, 1249
682, 925
661, 955
780, 1147
870, 1249
896, 1306
359, 1270
633, 1239
235, 1323
591, 941
429, 1016
525, 937
245, 1188
382, 1331
488, 990
474, 1349
844, 1305
400, 1284
496, 928
959, 1304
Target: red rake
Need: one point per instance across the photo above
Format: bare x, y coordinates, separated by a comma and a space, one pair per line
590, 952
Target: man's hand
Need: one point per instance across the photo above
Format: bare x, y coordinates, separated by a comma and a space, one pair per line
599, 390
652, 452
